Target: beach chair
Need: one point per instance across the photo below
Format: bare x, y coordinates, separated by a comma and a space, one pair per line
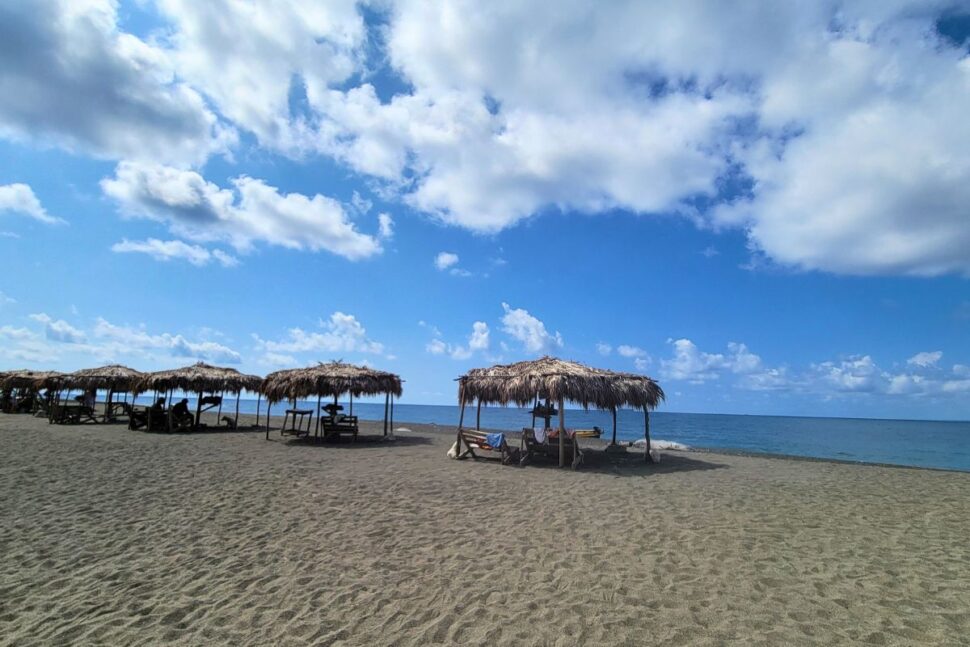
548, 446
333, 427
484, 442
42, 407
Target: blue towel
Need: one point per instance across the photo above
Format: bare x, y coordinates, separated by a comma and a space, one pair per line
494, 440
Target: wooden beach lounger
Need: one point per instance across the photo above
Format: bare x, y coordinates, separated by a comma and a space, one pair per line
473, 440
549, 448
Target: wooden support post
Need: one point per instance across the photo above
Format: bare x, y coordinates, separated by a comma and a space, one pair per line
461, 417
646, 435
562, 433
478, 417
235, 421
316, 432
392, 413
269, 406
387, 400
534, 405
259, 401
351, 403
198, 410
614, 426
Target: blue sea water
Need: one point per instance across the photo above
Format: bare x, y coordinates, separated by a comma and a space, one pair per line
901, 442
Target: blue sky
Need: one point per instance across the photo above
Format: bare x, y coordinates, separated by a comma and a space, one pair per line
766, 209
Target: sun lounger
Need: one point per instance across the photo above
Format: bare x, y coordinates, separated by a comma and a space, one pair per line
481, 441
545, 444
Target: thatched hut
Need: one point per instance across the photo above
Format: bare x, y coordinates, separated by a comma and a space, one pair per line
332, 379
23, 380
557, 381
113, 378
201, 378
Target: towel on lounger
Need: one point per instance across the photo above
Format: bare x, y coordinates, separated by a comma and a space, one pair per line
494, 440
539, 434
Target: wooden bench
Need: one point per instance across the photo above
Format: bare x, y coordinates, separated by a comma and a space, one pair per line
473, 440
334, 427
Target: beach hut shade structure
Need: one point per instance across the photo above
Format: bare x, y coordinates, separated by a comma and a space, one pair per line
113, 378
200, 378
332, 379
27, 379
557, 381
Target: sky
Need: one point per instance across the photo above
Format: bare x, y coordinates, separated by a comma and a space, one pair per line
763, 205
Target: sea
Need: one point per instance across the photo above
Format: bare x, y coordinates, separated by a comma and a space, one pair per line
916, 443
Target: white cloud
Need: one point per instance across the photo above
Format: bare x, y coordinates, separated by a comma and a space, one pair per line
342, 333
437, 347
165, 250
925, 359
59, 330
641, 363
250, 212
20, 198
603, 349
4, 299
505, 110
444, 260
70, 77
385, 227
690, 363
122, 340
529, 331
630, 351
9, 332
478, 342
858, 373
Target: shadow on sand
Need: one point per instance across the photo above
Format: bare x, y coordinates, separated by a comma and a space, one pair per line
364, 441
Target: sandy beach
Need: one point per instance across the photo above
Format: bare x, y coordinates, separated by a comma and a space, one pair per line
116, 537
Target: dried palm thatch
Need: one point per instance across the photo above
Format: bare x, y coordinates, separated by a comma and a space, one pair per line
112, 377
552, 378
27, 379
199, 378
328, 379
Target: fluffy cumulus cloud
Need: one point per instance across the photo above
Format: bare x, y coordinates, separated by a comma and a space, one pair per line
832, 132
690, 363
166, 250
478, 342
19, 198
57, 340
529, 331
445, 260
58, 329
340, 333
69, 76
925, 359
128, 339
249, 213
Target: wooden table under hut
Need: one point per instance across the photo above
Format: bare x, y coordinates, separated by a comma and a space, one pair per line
326, 381
546, 384
208, 383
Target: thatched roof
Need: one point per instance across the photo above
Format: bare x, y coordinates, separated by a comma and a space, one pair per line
549, 377
26, 378
198, 378
329, 379
113, 376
